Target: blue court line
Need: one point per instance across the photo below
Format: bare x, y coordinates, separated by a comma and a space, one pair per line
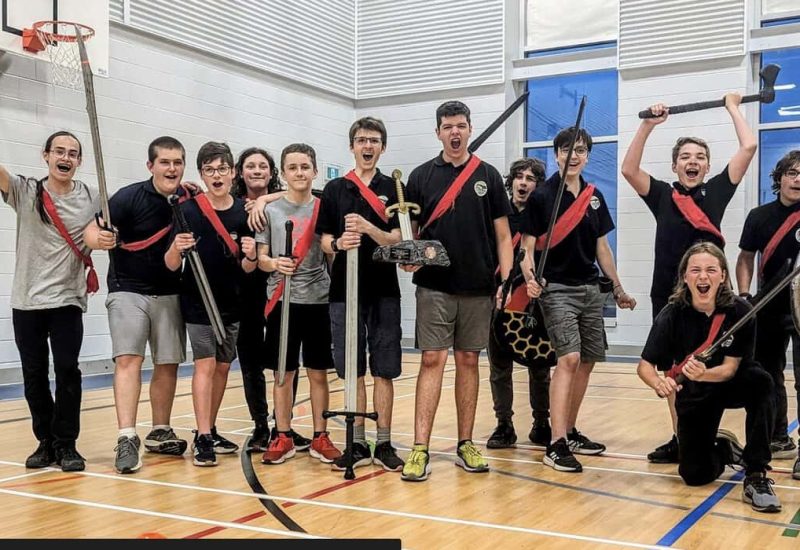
702, 509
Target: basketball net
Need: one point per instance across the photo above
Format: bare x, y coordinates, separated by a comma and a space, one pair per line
60, 41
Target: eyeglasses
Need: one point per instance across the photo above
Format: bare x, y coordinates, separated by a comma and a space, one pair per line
364, 140
59, 152
579, 151
209, 171
791, 174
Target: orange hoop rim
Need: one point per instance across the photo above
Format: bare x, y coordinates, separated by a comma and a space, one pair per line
87, 32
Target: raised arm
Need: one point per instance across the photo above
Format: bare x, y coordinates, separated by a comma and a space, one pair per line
5, 179
631, 164
747, 140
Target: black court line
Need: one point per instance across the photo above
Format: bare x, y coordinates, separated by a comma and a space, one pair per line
756, 520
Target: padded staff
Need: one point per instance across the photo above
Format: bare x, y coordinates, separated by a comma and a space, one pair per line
285, 302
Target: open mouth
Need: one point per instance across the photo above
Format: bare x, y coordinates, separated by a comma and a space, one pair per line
217, 185
692, 173
703, 289
367, 156
64, 167
522, 192
455, 143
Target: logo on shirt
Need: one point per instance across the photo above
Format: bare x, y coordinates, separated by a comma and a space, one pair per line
383, 198
797, 235
727, 343
480, 188
594, 202
234, 236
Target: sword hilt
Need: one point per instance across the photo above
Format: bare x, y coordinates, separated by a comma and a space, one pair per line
288, 245
402, 207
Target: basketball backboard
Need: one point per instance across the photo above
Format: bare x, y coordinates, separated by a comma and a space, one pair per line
20, 14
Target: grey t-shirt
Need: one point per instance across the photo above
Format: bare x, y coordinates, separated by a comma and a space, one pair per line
311, 280
48, 274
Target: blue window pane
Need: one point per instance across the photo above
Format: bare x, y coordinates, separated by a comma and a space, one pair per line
774, 145
784, 21
786, 107
572, 49
553, 104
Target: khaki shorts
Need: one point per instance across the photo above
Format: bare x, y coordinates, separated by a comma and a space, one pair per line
136, 319
451, 320
574, 319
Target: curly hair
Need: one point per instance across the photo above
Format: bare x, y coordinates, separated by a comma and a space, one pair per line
789, 160
535, 165
239, 188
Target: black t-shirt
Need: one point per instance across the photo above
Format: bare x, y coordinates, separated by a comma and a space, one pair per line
680, 329
572, 261
223, 270
759, 227
340, 197
466, 231
138, 211
674, 234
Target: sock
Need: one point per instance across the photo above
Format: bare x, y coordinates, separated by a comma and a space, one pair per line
421, 447
164, 427
317, 434
127, 432
460, 443
358, 435
384, 435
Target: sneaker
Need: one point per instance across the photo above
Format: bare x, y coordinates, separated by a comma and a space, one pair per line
43, 456
259, 439
281, 448
731, 448
757, 492
300, 443
70, 460
418, 464
323, 449
164, 442
582, 445
783, 448
204, 451
541, 433
222, 446
128, 459
666, 453
386, 456
796, 469
361, 457
559, 457
471, 459
503, 436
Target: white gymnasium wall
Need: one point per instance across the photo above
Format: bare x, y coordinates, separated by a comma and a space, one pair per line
155, 88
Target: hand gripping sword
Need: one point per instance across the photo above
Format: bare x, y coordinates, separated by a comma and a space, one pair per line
285, 304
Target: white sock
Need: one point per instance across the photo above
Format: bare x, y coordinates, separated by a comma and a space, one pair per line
127, 432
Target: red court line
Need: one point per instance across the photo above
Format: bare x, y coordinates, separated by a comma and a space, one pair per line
43, 481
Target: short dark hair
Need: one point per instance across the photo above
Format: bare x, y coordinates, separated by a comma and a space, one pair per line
299, 148
451, 108
213, 150
564, 137
789, 160
676, 149
239, 188
368, 123
520, 165
164, 142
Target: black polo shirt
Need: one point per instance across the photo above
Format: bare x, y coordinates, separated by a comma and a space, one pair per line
572, 261
138, 211
674, 234
761, 224
515, 220
339, 198
223, 270
680, 329
466, 231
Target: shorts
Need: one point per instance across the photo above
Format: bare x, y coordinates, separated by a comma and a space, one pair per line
378, 326
134, 319
204, 343
309, 328
452, 320
574, 319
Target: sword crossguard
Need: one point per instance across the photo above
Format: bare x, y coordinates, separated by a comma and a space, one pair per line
402, 207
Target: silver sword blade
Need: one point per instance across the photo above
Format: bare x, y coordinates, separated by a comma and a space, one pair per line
351, 331
284, 333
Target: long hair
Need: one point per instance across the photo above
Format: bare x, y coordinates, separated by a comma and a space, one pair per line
38, 202
239, 187
681, 294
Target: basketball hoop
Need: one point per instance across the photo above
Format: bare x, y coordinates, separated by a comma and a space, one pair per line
60, 40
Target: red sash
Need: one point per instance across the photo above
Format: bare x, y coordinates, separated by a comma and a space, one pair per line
448, 200
369, 195
776, 239
148, 242
514, 242
694, 215
92, 284
301, 248
211, 215
716, 324
518, 300
569, 220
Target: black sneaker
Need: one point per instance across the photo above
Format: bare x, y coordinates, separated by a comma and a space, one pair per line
43, 456
386, 456
503, 436
541, 433
666, 453
731, 448
204, 454
222, 446
164, 442
361, 457
560, 458
70, 460
796, 469
783, 448
757, 492
582, 445
300, 443
259, 439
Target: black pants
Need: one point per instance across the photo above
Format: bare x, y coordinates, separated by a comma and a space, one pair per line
500, 377
700, 407
773, 331
57, 420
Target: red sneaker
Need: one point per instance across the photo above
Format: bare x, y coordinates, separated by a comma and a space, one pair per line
323, 449
280, 449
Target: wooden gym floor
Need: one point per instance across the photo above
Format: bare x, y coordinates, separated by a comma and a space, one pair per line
620, 500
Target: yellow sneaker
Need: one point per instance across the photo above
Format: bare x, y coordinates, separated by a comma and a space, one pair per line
471, 459
417, 465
